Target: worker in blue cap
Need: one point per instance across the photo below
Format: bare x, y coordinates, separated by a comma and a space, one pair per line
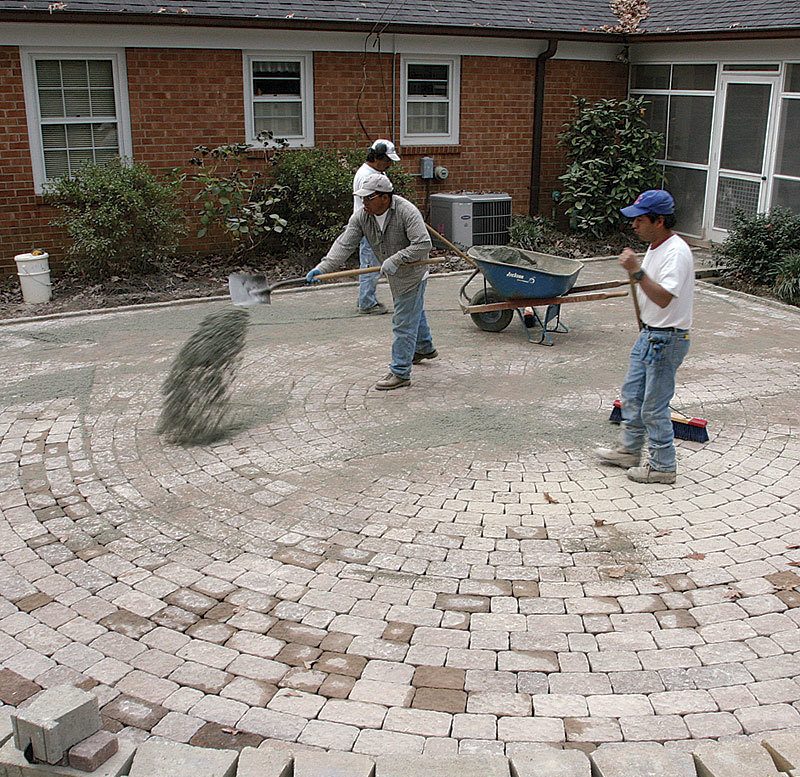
665, 292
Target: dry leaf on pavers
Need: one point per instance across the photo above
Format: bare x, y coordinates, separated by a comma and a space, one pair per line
616, 572
663, 532
599, 522
793, 547
793, 564
733, 595
696, 556
549, 499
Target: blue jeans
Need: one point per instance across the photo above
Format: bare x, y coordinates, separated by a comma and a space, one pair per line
367, 283
410, 330
647, 392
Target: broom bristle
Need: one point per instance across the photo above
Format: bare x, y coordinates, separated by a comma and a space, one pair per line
684, 428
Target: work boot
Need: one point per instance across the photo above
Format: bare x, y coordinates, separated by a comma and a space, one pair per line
618, 457
647, 474
391, 382
378, 309
419, 357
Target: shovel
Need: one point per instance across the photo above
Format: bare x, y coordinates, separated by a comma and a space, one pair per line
246, 290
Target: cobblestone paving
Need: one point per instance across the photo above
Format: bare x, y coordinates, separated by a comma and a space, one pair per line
439, 569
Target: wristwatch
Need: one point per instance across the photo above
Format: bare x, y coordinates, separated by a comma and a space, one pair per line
638, 275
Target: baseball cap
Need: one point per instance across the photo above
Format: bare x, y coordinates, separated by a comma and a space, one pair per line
652, 201
377, 182
388, 149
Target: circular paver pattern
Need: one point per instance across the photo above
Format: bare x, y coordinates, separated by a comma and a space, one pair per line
440, 569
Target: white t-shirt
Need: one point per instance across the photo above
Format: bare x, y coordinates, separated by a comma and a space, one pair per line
358, 180
671, 265
382, 220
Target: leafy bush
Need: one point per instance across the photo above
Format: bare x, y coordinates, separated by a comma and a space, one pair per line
755, 245
121, 218
787, 279
318, 197
612, 155
234, 198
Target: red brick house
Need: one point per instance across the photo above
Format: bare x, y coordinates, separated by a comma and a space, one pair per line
483, 88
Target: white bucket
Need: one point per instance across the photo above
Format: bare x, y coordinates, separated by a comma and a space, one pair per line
34, 277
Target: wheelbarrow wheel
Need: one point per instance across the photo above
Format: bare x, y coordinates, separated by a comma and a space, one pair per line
494, 320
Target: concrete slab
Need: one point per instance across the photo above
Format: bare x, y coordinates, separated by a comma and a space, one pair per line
57, 719
447, 766
178, 760
330, 764
784, 747
643, 760
264, 763
13, 764
551, 763
733, 759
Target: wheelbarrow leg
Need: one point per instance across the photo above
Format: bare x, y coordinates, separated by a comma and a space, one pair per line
536, 323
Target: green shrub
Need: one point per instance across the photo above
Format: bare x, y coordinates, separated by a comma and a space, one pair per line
318, 199
787, 279
536, 233
612, 155
235, 199
756, 245
120, 218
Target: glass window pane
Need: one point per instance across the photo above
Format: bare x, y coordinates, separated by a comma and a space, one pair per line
688, 187
751, 68
74, 73
48, 73
655, 112
650, 77
103, 102
792, 78
689, 128
105, 135
428, 72
786, 194
699, 77
54, 136
428, 118
787, 158
79, 135
103, 155
745, 127
76, 102
276, 78
78, 158
101, 74
51, 103
55, 164
282, 118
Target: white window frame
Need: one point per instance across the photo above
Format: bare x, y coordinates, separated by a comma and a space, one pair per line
29, 56
454, 89
306, 60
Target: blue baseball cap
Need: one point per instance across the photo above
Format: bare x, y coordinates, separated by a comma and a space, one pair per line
656, 201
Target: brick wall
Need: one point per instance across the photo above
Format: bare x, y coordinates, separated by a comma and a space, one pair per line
180, 98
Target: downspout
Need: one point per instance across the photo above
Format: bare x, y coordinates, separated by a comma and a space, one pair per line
538, 120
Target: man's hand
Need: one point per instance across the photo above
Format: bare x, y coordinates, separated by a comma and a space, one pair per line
629, 260
388, 268
312, 275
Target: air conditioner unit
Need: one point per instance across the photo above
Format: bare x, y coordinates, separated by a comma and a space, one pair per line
469, 219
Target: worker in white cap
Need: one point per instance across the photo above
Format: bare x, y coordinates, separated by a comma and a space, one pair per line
380, 157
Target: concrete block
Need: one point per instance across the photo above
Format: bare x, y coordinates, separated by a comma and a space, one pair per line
179, 760
784, 747
13, 764
6, 732
643, 760
332, 764
94, 751
445, 766
57, 719
733, 759
551, 763
264, 762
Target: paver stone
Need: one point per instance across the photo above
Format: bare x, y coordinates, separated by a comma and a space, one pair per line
266, 762
333, 764
446, 766
179, 760
733, 759
645, 760
551, 763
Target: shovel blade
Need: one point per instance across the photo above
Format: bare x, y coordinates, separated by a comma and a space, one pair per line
247, 290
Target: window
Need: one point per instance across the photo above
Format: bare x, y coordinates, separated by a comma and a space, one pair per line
430, 101
786, 178
279, 97
77, 111
681, 106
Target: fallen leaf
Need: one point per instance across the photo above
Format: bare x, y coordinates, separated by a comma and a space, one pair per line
732, 595
793, 547
696, 556
663, 532
599, 522
794, 564
549, 499
229, 730
616, 572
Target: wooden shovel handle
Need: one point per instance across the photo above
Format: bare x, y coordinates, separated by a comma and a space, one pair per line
451, 246
329, 276
635, 298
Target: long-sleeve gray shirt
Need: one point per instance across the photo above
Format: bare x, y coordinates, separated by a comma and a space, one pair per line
404, 240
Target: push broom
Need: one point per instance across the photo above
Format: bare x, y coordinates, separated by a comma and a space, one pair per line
684, 428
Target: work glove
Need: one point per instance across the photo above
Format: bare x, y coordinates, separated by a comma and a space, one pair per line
312, 275
388, 267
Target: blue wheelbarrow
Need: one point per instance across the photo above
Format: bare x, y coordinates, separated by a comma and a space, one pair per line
516, 280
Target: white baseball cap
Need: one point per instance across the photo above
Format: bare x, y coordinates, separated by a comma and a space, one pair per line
382, 146
377, 182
